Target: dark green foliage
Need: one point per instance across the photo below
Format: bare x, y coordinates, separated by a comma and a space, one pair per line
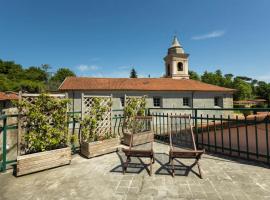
193, 75
61, 74
263, 91
133, 73
35, 74
14, 77
246, 88
243, 89
58, 78
45, 121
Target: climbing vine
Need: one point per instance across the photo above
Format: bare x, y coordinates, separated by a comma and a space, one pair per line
135, 106
44, 122
90, 130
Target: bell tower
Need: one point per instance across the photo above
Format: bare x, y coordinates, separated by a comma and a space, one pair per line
176, 61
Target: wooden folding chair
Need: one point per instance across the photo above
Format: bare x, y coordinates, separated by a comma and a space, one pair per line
141, 124
176, 145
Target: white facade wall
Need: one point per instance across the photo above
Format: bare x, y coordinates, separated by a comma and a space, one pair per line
169, 99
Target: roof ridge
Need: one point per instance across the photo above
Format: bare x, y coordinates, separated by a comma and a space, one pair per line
139, 84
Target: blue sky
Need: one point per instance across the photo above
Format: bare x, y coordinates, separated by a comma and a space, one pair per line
107, 37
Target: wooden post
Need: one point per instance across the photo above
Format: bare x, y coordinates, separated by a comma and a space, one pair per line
19, 128
82, 105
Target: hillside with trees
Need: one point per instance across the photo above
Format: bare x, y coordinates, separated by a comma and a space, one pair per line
13, 77
246, 87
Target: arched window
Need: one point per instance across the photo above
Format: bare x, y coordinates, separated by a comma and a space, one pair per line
168, 70
180, 66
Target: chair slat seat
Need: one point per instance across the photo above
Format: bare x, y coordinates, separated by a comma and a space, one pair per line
185, 153
138, 153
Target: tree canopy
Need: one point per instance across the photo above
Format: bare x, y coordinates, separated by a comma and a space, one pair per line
13, 77
133, 73
246, 87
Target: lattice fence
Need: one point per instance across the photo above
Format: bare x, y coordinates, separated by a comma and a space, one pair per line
32, 97
104, 126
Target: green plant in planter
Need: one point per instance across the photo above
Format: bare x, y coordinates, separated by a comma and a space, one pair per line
135, 106
89, 124
45, 124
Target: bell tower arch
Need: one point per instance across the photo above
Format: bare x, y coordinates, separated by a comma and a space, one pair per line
176, 61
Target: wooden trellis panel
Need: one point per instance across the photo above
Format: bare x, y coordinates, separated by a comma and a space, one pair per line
31, 97
104, 126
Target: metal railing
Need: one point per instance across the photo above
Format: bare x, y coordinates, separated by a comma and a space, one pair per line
224, 131
216, 130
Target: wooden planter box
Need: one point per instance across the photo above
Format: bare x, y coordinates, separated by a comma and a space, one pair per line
99, 147
138, 138
35, 162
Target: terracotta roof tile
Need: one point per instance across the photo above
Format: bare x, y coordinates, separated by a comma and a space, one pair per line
138, 84
8, 96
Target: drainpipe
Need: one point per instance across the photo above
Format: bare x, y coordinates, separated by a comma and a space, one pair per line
73, 106
192, 106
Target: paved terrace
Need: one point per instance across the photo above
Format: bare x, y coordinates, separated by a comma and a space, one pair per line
102, 178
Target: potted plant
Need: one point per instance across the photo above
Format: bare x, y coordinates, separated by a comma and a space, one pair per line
96, 135
45, 138
135, 107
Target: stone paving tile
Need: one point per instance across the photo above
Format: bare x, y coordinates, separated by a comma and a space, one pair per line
102, 178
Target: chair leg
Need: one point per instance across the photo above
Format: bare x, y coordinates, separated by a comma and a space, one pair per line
153, 159
199, 168
172, 164
126, 165
151, 162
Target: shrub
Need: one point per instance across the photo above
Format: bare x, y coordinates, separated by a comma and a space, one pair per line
45, 124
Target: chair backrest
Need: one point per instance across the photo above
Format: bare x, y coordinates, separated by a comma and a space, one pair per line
181, 132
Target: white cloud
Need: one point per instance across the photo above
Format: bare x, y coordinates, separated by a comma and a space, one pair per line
84, 68
213, 34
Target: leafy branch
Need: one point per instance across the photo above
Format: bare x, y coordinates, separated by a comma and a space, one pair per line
45, 124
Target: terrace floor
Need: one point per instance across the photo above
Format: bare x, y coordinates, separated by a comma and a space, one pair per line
102, 178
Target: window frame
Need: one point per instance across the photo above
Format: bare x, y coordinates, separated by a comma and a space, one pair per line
122, 102
160, 102
188, 101
218, 101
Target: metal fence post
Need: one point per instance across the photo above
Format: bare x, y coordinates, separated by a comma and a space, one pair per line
196, 127
4, 160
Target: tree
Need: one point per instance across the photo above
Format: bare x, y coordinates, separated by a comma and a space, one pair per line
61, 74
263, 91
210, 77
133, 73
31, 86
194, 75
35, 74
244, 78
58, 78
243, 89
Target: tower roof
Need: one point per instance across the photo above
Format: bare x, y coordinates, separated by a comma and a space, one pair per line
175, 42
